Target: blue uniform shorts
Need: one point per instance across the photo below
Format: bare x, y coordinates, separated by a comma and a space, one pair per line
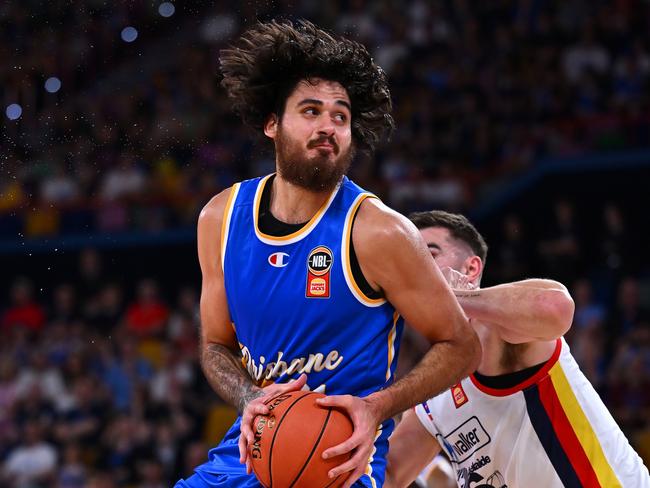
223, 470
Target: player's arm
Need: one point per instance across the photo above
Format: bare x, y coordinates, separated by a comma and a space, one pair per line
220, 357
523, 311
394, 258
412, 447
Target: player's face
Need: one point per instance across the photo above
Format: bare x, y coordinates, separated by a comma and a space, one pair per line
444, 249
313, 141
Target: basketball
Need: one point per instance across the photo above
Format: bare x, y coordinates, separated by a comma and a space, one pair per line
289, 442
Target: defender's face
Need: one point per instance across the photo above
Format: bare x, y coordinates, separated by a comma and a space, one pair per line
313, 139
444, 249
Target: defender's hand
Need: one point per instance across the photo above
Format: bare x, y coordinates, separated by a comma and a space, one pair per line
256, 407
456, 280
365, 421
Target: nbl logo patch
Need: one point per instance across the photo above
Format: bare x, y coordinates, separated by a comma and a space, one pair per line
319, 264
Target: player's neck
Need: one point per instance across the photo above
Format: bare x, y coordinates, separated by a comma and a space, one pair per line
292, 204
491, 345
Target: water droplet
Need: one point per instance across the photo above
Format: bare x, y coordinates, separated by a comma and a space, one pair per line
129, 34
14, 111
166, 9
52, 84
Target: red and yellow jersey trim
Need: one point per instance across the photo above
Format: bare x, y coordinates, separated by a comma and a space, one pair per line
566, 432
592, 450
501, 392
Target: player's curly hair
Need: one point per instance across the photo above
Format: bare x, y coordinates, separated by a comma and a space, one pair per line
261, 71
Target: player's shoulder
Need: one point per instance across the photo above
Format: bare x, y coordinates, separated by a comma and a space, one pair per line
380, 225
212, 213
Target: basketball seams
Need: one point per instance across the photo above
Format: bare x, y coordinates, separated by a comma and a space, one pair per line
277, 429
313, 450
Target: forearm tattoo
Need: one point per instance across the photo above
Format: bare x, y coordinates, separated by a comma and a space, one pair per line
226, 375
463, 294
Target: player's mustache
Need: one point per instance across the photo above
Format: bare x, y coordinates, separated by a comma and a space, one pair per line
321, 140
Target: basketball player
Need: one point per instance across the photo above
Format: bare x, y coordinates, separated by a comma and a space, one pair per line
527, 416
305, 275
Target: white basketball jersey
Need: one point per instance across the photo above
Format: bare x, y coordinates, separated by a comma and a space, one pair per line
551, 430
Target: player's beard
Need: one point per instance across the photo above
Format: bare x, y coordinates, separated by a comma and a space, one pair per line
319, 173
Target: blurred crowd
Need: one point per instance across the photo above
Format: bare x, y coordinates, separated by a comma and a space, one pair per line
101, 389
482, 91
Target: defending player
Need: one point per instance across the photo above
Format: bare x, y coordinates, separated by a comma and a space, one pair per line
527, 416
305, 272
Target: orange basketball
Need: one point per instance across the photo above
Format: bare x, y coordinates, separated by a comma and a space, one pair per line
289, 442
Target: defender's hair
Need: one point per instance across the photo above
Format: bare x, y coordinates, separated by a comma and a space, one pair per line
459, 228
262, 70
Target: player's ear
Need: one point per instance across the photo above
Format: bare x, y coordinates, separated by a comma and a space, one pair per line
271, 126
474, 268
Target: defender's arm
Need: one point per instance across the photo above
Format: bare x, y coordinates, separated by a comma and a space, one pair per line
523, 311
412, 447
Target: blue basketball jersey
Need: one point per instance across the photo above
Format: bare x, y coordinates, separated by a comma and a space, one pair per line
296, 308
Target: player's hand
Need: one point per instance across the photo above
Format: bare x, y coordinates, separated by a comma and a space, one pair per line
456, 280
256, 407
365, 420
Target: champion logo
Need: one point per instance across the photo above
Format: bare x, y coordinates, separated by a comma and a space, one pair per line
279, 259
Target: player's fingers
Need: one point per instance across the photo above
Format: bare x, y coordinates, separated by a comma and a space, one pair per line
252, 411
343, 468
344, 447
295, 385
242, 449
279, 388
257, 408
446, 273
451, 276
246, 434
339, 401
354, 463
299, 383
356, 474
245, 427
250, 414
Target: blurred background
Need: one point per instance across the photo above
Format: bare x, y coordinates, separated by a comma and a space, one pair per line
532, 117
